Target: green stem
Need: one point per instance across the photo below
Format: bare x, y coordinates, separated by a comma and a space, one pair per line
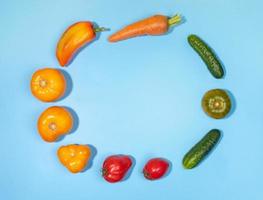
174, 20
100, 29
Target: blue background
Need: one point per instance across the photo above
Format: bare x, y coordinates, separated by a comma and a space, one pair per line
139, 97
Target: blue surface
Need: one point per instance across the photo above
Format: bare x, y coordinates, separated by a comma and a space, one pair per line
139, 97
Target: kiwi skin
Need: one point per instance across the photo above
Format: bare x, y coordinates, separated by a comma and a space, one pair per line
221, 99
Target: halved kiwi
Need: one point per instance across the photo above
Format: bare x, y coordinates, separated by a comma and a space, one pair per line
216, 103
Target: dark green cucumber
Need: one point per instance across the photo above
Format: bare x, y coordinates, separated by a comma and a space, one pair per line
208, 56
201, 149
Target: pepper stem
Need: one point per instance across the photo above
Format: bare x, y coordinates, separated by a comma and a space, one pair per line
104, 172
100, 29
174, 20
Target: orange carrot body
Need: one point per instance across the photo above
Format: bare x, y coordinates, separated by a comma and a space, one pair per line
154, 25
75, 37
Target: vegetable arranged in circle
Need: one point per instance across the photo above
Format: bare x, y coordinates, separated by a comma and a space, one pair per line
216, 103
48, 84
154, 25
155, 168
74, 157
201, 149
74, 38
208, 56
115, 167
54, 122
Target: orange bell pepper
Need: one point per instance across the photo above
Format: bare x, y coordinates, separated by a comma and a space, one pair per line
48, 84
74, 157
54, 122
74, 38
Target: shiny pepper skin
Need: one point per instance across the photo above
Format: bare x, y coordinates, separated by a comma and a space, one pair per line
115, 167
73, 39
48, 84
155, 168
54, 122
74, 157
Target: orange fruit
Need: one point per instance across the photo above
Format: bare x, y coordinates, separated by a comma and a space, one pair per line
48, 84
54, 122
74, 157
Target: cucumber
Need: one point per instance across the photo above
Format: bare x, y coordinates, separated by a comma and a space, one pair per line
201, 149
208, 56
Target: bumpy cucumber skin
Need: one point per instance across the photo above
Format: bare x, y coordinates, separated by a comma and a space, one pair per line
207, 55
201, 149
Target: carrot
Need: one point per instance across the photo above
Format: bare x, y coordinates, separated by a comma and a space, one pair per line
154, 25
